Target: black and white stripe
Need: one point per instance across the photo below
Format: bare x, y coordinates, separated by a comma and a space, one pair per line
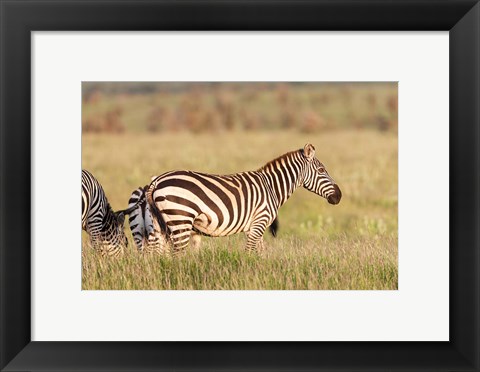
147, 233
104, 226
224, 205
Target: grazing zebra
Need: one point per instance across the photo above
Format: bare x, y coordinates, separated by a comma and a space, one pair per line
103, 225
224, 205
148, 235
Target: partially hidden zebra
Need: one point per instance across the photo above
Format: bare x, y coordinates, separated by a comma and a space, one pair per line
146, 231
247, 202
104, 226
149, 235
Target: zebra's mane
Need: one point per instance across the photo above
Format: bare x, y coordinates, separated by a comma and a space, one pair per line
284, 156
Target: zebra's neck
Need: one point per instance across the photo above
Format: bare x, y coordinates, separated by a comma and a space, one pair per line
104, 229
284, 175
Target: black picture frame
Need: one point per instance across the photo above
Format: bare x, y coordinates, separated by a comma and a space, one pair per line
18, 18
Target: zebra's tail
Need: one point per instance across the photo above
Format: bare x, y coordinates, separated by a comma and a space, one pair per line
153, 208
274, 227
149, 196
129, 210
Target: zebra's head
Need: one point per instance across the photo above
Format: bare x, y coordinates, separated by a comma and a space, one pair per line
113, 232
111, 239
317, 179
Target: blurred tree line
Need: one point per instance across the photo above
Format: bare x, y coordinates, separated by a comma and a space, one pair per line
116, 107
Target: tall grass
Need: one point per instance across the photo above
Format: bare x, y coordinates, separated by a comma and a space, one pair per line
288, 263
349, 246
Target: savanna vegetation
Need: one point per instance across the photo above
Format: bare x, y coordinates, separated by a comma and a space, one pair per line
353, 245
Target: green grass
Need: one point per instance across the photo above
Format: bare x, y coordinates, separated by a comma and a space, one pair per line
353, 245
289, 263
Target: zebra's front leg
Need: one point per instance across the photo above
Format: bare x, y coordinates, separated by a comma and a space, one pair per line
255, 238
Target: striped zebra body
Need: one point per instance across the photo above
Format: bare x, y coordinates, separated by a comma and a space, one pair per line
103, 225
146, 231
148, 235
244, 202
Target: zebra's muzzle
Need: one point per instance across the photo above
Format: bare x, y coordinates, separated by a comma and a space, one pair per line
336, 196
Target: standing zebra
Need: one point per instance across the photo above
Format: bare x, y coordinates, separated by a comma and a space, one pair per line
103, 225
149, 236
146, 231
224, 205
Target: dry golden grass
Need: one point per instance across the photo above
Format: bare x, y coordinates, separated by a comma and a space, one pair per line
349, 246
288, 263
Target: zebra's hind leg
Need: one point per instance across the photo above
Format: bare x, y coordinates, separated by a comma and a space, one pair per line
157, 243
255, 238
180, 239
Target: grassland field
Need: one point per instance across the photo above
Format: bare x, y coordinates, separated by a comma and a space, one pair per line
353, 245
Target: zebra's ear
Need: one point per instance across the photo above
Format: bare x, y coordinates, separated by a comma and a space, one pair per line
309, 151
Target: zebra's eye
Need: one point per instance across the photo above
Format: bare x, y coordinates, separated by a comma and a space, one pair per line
321, 169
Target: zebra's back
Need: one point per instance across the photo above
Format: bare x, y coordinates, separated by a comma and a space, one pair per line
94, 202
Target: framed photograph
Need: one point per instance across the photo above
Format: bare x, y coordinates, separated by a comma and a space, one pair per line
189, 127
302, 238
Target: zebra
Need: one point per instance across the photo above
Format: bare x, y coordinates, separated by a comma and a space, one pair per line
149, 236
103, 225
221, 205
146, 231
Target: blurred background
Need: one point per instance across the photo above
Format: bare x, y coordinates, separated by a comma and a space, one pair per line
132, 131
214, 107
